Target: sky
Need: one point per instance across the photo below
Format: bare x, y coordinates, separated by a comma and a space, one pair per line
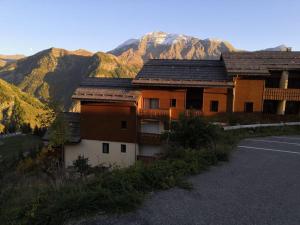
29, 26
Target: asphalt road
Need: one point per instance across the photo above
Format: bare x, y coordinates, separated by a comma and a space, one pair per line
259, 186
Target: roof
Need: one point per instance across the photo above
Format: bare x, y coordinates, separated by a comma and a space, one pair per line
260, 63
174, 71
106, 89
73, 123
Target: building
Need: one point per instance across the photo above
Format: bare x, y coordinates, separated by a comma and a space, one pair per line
120, 120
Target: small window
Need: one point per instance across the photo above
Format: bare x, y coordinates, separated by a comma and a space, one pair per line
248, 107
123, 148
105, 148
173, 103
151, 103
124, 124
214, 106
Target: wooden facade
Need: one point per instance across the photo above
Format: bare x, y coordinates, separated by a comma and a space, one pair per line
104, 121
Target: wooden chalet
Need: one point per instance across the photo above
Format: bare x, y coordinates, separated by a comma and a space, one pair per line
120, 120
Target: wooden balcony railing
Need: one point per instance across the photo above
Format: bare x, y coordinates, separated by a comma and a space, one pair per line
167, 113
282, 94
149, 138
154, 113
191, 112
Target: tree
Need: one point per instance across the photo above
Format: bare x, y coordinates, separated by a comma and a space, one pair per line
59, 134
17, 117
81, 165
192, 132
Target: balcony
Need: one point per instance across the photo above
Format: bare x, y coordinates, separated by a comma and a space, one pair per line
154, 113
171, 113
282, 94
191, 112
149, 138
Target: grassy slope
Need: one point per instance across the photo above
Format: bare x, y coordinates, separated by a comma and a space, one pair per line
32, 106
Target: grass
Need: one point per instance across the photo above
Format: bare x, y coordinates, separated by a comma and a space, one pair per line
120, 190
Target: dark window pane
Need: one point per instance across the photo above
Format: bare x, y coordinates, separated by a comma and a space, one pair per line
123, 148
105, 148
248, 107
124, 124
173, 103
214, 106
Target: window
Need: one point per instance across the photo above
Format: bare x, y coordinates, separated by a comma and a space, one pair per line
105, 148
123, 148
214, 106
248, 107
173, 103
124, 124
151, 103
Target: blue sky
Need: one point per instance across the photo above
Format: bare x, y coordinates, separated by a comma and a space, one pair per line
28, 26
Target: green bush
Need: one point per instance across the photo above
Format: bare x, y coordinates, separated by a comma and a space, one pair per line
192, 132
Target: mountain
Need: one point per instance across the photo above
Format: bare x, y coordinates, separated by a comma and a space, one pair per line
32, 107
108, 65
169, 46
9, 58
282, 48
55, 73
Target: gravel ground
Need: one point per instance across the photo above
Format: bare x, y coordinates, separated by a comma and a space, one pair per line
259, 186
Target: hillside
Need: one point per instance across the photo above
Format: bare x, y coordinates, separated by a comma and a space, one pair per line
169, 46
30, 105
108, 65
4, 59
55, 73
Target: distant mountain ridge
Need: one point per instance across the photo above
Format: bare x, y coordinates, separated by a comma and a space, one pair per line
9, 58
169, 46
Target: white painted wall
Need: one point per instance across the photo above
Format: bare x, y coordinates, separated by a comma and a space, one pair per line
92, 149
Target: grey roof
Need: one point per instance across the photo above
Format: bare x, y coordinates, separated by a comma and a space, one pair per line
106, 89
260, 63
106, 82
192, 70
73, 123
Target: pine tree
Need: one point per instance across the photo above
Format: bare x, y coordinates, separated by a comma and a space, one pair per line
17, 117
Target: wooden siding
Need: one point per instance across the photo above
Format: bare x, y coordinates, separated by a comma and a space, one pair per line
282, 94
214, 94
102, 121
247, 90
164, 97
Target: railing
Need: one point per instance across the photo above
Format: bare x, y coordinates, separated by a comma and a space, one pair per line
282, 94
148, 138
191, 112
154, 113
167, 113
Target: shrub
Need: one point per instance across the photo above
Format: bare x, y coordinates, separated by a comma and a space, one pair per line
81, 165
192, 132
